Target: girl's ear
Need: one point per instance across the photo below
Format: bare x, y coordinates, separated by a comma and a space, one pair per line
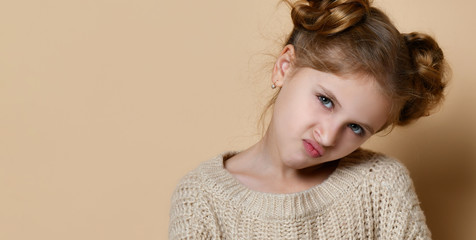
283, 65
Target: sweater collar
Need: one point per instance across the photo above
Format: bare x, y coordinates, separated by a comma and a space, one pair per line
221, 184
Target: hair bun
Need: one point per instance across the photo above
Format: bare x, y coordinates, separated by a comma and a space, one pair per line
427, 76
328, 16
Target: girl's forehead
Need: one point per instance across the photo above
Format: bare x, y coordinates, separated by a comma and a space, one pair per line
316, 76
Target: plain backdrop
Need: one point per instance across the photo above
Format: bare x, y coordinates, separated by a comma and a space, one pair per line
106, 104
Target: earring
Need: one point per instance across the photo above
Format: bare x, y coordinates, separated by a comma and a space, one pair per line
273, 86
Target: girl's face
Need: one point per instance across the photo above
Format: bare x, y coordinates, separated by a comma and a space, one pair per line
319, 117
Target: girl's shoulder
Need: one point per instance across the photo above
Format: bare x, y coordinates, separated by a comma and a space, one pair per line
205, 175
377, 168
213, 165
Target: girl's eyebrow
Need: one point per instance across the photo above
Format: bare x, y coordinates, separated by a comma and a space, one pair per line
331, 96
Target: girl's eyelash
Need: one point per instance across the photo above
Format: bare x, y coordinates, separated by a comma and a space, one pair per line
357, 129
329, 104
326, 101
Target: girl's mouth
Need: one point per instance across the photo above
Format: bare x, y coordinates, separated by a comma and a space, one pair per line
312, 148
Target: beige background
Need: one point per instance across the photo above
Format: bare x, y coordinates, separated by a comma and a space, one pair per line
105, 104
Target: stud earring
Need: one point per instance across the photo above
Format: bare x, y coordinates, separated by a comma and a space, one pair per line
273, 86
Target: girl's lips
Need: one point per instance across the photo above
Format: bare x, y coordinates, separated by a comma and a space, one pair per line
313, 148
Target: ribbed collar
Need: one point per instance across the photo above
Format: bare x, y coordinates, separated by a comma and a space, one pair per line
222, 185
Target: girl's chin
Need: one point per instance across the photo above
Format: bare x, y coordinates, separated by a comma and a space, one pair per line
302, 162
296, 163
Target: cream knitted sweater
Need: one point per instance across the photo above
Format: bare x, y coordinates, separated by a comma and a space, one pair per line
366, 197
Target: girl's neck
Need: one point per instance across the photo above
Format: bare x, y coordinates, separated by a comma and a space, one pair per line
260, 168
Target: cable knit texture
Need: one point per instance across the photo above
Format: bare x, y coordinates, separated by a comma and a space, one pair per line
367, 197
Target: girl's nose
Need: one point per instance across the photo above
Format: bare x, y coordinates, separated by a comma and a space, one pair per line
327, 134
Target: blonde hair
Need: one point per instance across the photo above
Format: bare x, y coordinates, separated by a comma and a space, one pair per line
352, 37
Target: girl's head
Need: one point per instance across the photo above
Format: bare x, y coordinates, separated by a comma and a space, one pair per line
349, 37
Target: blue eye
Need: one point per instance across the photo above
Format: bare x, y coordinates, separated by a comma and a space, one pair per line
356, 129
325, 101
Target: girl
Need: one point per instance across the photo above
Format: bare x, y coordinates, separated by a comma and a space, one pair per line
344, 74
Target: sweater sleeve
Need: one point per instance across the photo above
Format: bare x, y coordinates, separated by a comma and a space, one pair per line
190, 214
396, 208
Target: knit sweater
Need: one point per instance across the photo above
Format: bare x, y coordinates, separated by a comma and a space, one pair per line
369, 196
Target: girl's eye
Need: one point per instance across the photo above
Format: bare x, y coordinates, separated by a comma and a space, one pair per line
325, 101
356, 129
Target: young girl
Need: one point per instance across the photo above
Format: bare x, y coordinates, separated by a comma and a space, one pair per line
344, 74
